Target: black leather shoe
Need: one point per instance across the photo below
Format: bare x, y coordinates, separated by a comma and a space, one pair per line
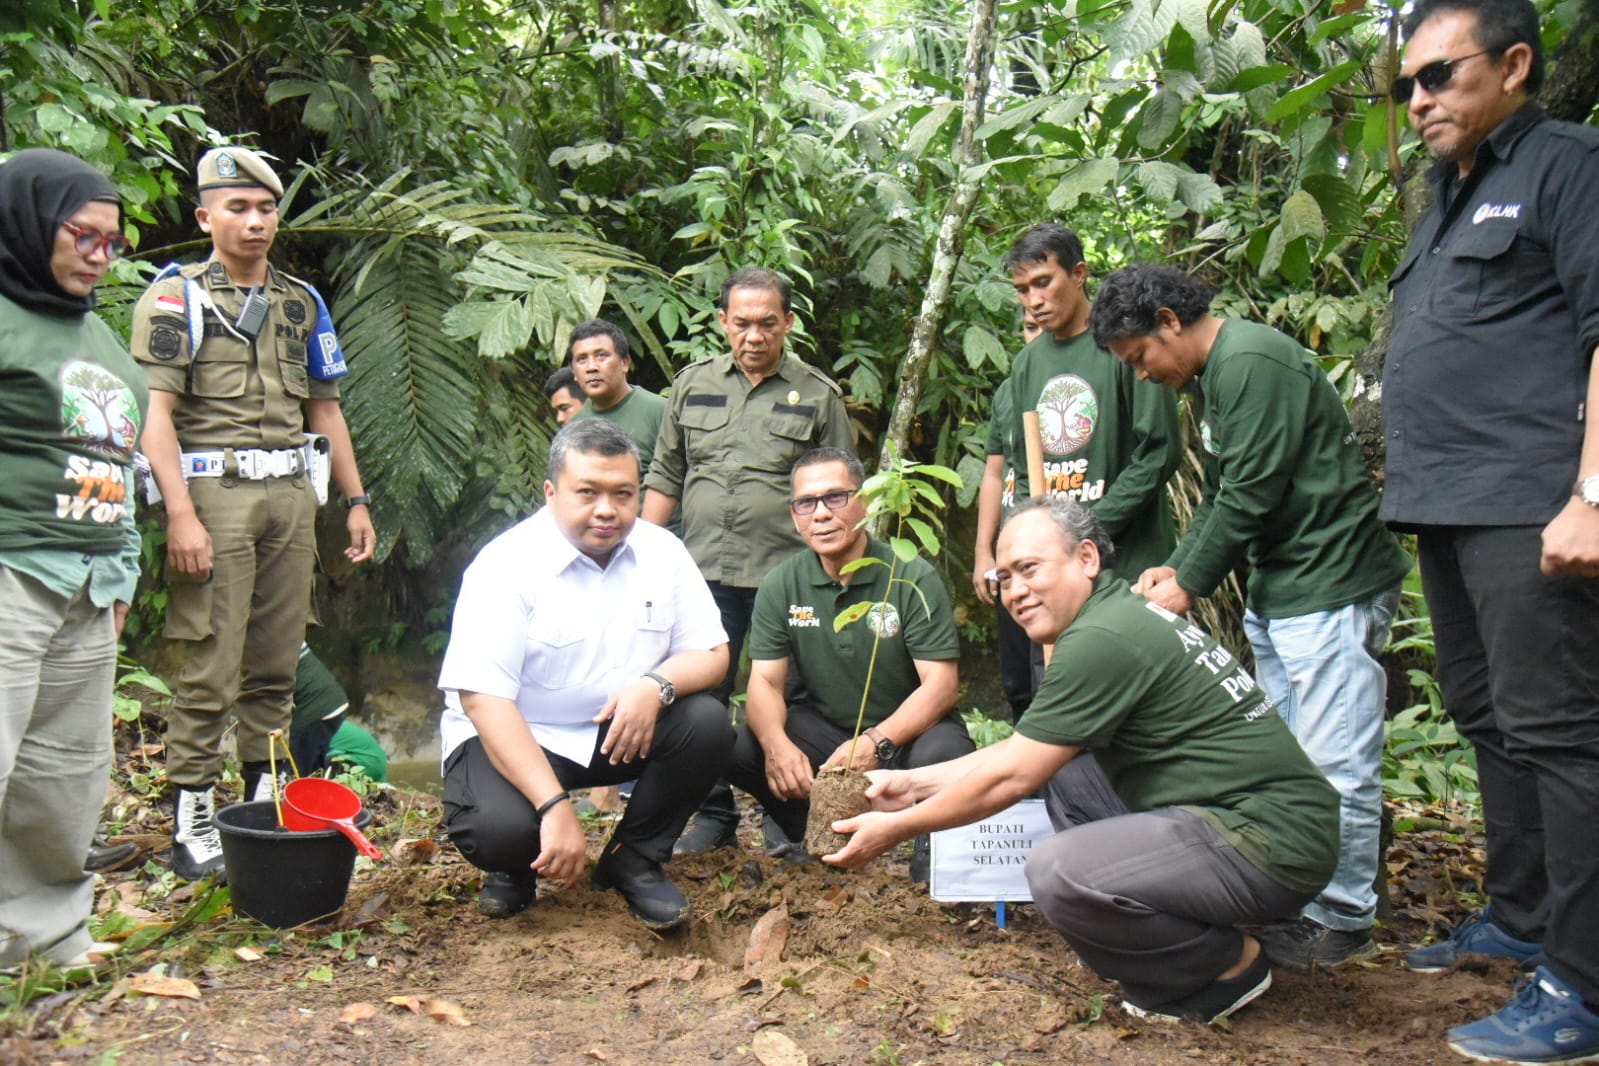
921, 861
503, 895
705, 833
779, 846
650, 894
104, 857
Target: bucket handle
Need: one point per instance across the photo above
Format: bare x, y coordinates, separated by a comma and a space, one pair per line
275, 738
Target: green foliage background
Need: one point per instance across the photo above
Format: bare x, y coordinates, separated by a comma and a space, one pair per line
470, 178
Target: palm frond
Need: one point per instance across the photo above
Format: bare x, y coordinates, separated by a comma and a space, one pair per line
413, 395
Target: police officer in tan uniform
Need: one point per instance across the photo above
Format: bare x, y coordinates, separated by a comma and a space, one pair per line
734, 428
242, 363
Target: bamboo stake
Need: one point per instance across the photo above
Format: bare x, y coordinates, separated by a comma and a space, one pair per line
1034, 440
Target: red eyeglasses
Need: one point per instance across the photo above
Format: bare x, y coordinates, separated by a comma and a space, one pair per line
89, 241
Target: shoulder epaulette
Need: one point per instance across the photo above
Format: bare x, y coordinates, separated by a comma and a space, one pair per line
818, 375
695, 365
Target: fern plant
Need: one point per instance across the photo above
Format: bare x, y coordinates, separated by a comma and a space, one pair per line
434, 289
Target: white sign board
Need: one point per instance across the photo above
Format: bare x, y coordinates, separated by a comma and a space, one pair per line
986, 861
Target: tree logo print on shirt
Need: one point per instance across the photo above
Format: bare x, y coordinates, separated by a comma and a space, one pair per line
1068, 412
98, 410
883, 619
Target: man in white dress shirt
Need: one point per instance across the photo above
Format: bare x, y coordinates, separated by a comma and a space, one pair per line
582, 646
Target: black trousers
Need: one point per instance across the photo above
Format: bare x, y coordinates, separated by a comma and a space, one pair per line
1518, 661
736, 605
496, 827
818, 738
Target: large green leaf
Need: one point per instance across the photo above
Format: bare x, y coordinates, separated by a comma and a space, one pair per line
1142, 30
411, 397
1088, 177
1298, 99
1302, 217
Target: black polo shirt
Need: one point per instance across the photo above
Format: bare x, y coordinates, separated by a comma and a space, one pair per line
1496, 316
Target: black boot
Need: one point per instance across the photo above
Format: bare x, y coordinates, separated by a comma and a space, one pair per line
715, 824
104, 857
258, 781
650, 895
196, 846
504, 894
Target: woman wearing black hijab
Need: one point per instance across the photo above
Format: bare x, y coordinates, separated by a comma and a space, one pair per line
72, 402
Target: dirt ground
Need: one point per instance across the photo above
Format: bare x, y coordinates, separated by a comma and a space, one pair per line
783, 965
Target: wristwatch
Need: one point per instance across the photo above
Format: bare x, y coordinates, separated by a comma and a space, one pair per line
668, 690
886, 749
1588, 490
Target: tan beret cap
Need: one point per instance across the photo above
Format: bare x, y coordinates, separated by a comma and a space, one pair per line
223, 168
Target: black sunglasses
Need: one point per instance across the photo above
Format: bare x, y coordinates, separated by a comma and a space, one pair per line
836, 500
1432, 77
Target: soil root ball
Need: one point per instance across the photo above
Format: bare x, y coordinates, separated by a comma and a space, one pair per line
835, 795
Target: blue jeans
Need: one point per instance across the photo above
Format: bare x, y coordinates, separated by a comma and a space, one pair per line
1325, 674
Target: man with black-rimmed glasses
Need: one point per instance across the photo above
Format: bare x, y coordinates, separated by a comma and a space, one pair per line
910, 720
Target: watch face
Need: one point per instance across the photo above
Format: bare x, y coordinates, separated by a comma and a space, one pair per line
1590, 490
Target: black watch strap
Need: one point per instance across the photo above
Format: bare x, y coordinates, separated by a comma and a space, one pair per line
668, 690
886, 749
358, 501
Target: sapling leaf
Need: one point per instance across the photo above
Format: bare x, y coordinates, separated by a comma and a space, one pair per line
853, 613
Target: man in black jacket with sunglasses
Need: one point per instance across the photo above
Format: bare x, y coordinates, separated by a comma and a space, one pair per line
1494, 465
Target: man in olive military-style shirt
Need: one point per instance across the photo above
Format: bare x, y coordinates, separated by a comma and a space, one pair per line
1285, 492
910, 720
1198, 813
242, 363
734, 426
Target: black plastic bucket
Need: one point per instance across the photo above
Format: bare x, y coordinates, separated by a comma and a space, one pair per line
282, 878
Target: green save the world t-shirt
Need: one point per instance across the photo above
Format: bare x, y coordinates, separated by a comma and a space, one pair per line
1176, 721
793, 620
1110, 441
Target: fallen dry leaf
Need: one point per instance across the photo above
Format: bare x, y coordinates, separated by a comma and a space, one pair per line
357, 1012
767, 938
153, 984
687, 969
773, 1048
247, 955
415, 852
833, 898
444, 1010
1051, 1016
410, 1003
643, 982
597, 1055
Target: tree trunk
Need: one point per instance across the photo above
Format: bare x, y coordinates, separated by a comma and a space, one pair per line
951, 233
1571, 92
